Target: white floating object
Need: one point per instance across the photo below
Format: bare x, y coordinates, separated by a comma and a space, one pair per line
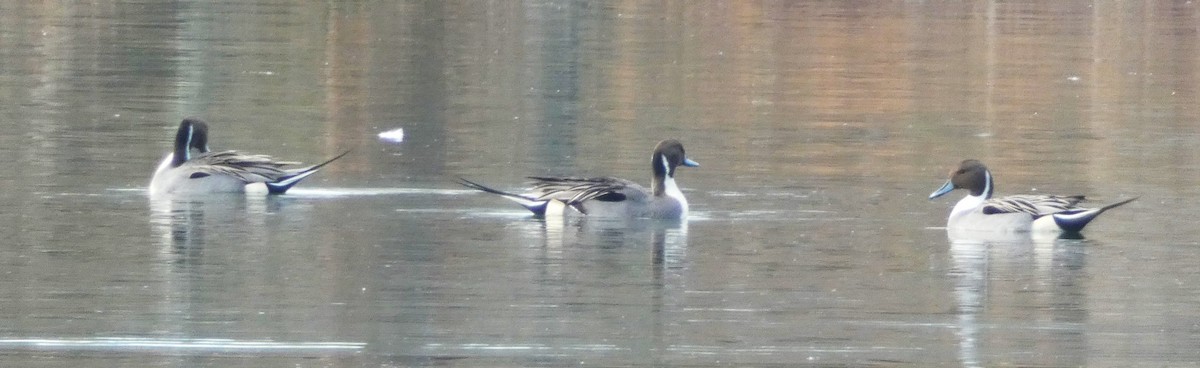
394, 135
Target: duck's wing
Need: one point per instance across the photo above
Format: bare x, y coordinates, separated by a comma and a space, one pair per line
248, 168
1034, 205
576, 190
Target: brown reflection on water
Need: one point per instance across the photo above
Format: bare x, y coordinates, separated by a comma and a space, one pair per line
821, 128
830, 89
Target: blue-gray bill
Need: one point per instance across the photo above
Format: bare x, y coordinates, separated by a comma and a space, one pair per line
946, 188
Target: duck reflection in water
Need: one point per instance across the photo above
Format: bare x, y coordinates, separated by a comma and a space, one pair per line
1019, 289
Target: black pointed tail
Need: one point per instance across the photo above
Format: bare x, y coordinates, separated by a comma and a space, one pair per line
284, 183
1075, 221
1115, 205
538, 207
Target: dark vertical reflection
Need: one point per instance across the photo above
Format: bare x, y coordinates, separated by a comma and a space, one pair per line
554, 67
821, 127
347, 58
424, 65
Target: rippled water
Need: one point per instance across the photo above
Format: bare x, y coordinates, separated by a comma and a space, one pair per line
821, 129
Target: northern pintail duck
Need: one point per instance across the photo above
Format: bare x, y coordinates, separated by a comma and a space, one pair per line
183, 172
608, 196
1017, 213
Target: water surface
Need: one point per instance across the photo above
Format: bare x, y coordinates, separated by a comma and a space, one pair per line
821, 129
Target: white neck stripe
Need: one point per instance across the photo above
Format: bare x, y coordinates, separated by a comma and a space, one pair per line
187, 145
987, 184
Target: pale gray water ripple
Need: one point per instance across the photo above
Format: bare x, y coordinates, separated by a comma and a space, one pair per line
167, 346
810, 241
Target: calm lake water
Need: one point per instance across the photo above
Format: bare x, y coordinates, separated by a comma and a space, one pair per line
821, 129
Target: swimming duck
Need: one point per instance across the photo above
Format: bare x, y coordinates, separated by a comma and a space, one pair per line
1016, 213
182, 172
608, 196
